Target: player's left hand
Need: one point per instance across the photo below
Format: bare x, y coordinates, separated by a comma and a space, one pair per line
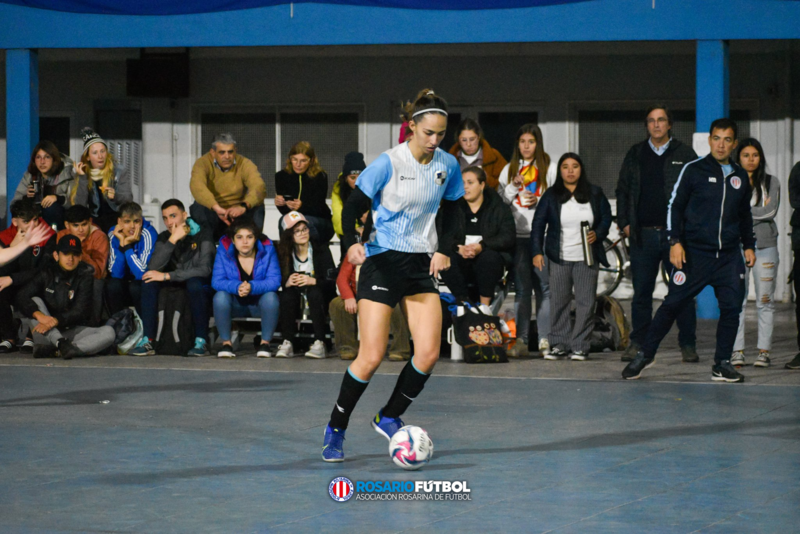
439, 262
749, 257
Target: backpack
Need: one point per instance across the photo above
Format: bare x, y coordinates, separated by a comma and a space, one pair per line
480, 336
611, 330
175, 335
128, 329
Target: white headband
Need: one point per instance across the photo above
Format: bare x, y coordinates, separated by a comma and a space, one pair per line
429, 110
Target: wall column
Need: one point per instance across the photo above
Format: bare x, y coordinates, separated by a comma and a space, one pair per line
22, 114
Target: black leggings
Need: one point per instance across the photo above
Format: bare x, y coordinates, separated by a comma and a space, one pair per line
290, 311
7, 299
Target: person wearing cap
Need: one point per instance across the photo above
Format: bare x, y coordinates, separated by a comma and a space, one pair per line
17, 271
306, 267
183, 256
226, 186
57, 302
353, 165
48, 181
102, 185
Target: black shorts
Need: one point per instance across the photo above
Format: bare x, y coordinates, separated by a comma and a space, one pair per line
389, 276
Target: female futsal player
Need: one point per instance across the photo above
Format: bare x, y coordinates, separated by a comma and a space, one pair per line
404, 253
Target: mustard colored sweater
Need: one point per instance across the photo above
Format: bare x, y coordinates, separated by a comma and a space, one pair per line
242, 183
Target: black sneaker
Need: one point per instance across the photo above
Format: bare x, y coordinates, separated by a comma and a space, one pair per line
634, 369
630, 352
689, 354
794, 364
68, 350
26, 347
556, 353
7, 346
44, 351
726, 372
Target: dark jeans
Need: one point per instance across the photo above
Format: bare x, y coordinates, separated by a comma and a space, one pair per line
645, 263
54, 215
483, 271
290, 311
796, 283
123, 292
208, 218
528, 279
7, 299
199, 290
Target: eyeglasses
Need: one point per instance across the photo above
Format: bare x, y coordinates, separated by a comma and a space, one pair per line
301, 231
660, 120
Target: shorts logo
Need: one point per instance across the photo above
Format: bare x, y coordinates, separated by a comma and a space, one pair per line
377, 288
736, 182
340, 489
441, 176
679, 278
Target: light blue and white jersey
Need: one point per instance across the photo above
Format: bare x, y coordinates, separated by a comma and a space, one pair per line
405, 198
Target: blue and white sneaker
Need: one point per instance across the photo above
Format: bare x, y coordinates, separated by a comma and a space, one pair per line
387, 426
143, 348
332, 446
200, 347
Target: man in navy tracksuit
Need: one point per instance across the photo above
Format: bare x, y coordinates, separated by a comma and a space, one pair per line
708, 224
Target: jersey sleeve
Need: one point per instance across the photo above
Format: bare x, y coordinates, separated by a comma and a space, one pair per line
454, 188
375, 176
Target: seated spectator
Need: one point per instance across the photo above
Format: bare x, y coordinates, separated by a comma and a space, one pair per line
490, 238
48, 181
307, 267
302, 186
183, 256
58, 302
225, 186
562, 211
344, 316
247, 278
472, 150
94, 243
30, 232
353, 165
102, 185
131, 243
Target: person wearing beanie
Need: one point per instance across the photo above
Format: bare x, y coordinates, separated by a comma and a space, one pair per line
102, 185
353, 165
48, 181
57, 303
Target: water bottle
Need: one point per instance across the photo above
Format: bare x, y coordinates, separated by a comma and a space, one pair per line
588, 253
36, 184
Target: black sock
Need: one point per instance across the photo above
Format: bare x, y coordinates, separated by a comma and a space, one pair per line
351, 391
409, 385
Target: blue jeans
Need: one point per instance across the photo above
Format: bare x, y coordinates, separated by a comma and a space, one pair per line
529, 279
227, 306
645, 261
765, 278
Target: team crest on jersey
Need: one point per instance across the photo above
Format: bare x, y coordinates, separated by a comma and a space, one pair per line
441, 176
736, 182
679, 278
36, 249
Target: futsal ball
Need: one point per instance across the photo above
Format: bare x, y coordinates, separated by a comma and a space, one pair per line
411, 447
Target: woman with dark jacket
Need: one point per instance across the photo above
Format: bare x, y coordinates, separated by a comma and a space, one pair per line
490, 238
247, 278
302, 186
571, 201
48, 181
307, 267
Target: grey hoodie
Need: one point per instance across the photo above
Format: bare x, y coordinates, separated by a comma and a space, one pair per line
764, 216
63, 182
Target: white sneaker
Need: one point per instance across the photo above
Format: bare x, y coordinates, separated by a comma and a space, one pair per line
317, 351
544, 346
286, 350
762, 360
737, 359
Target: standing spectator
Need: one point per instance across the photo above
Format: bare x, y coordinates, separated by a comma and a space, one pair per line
19, 270
247, 277
646, 180
522, 183
58, 300
489, 246
183, 256
472, 150
353, 165
131, 243
102, 185
48, 181
709, 222
794, 199
95, 247
563, 209
225, 186
764, 207
302, 186
307, 267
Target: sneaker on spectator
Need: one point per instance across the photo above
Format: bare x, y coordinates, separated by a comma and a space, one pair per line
27, 347
762, 360
226, 351
45, 351
7, 346
68, 350
519, 349
286, 350
332, 445
317, 351
143, 348
579, 356
200, 347
264, 351
348, 353
737, 359
544, 346
386, 426
794, 364
630, 352
726, 372
556, 353
399, 356
689, 354
634, 369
